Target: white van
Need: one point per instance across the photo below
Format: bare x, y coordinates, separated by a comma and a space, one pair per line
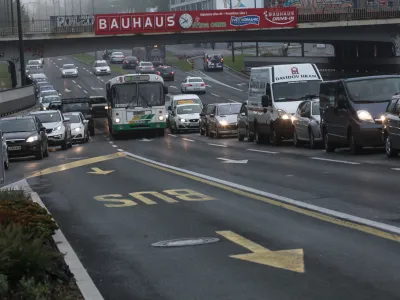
275, 92
184, 99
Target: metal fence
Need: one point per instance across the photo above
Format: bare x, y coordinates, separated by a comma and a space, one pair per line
304, 15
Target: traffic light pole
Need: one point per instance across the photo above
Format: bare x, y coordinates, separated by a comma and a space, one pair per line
21, 44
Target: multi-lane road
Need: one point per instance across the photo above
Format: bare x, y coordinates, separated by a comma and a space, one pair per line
281, 222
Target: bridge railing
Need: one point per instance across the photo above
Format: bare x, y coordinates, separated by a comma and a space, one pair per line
304, 15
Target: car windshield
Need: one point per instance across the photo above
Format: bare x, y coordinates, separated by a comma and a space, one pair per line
67, 67
73, 118
49, 117
34, 62
35, 71
117, 53
374, 89
315, 109
295, 90
83, 107
230, 109
150, 94
46, 88
17, 125
165, 69
39, 76
48, 93
50, 99
101, 64
146, 64
195, 80
188, 109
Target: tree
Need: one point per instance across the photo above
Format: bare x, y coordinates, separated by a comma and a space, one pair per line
5, 13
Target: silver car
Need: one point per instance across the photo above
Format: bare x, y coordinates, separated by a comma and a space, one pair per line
46, 100
45, 93
306, 124
117, 57
69, 70
193, 84
145, 67
101, 67
79, 127
185, 117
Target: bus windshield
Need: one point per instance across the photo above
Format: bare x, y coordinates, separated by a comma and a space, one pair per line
295, 90
146, 94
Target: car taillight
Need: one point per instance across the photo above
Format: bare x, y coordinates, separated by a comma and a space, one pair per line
203, 84
152, 68
158, 73
172, 73
137, 61
222, 59
188, 84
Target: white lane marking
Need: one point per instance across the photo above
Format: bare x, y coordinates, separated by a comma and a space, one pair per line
102, 80
67, 90
79, 86
337, 161
262, 151
241, 84
96, 88
174, 87
325, 211
73, 81
111, 142
115, 146
215, 95
396, 169
233, 161
172, 135
83, 280
216, 81
233, 101
185, 139
217, 145
84, 91
120, 150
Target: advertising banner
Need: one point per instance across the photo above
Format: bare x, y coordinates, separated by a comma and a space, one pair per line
192, 21
239, 4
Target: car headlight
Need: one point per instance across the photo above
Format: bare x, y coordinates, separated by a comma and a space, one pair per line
32, 139
283, 115
57, 128
78, 129
161, 118
223, 123
383, 118
363, 115
106, 107
117, 120
183, 120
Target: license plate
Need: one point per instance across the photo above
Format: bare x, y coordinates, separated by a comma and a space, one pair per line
138, 113
14, 148
194, 124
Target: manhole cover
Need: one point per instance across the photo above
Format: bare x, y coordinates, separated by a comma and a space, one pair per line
185, 242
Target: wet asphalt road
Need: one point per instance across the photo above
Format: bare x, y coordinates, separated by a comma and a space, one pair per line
111, 220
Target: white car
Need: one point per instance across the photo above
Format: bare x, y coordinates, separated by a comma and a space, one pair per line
101, 67
35, 62
69, 70
193, 84
58, 128
47, 93
79, 126
117, 57
184, 117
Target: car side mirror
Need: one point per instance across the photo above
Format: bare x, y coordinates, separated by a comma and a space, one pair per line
66, 120
212, 116
165, 90
169, 108
266, 101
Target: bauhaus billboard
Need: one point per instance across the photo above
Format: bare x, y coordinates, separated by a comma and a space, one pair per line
239, 4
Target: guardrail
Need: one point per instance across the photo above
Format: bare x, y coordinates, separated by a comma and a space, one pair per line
304, 15
17, 99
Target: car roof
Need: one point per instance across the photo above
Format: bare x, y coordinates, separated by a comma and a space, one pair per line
43, 112
146, 62
68, 65
100, 61
17, 118
46, 91
185, 96
72, 113
370, 77
227, 103
39, 75
188, 104
52, 96
194, 77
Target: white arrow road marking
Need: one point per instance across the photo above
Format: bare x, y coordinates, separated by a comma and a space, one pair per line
67, 91
96, 88
232, 161
145, 140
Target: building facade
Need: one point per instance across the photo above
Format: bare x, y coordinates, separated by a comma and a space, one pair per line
213, 4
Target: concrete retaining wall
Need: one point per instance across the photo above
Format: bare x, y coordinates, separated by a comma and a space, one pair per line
16, 99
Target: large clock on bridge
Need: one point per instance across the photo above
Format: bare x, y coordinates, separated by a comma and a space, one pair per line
186, 21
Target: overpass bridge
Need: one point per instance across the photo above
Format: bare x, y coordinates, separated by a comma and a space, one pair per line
355, 33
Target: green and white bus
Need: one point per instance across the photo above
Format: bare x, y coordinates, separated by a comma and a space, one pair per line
136, 103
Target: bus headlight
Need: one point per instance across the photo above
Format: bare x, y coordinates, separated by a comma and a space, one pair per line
161, 118
117, 120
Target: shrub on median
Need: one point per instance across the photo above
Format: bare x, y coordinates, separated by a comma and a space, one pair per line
31, 267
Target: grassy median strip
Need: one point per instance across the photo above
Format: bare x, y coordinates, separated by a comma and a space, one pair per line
5, 77
237, 65
89, 59
31, 267
173, 60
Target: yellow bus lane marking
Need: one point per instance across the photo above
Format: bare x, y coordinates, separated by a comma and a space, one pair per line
99, 171
291, 260
303, 211
76, 164
180, 194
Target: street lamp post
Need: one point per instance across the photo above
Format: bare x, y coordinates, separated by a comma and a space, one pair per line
21, 44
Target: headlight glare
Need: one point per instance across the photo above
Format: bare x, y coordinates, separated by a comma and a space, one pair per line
364, 115
78, 129
161, 118
223, 123
117, 120
32, 139
183, 120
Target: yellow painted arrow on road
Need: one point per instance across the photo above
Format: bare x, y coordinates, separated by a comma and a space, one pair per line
291, 260
100, 171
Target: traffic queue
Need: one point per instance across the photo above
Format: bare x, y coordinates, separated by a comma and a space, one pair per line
292, 102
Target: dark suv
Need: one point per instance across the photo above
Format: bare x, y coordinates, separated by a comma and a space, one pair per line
391, 127
79, 105
352, 109
166, 72
130, 62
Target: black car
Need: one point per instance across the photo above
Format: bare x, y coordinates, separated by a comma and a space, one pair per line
99, 106
79, 105
107, 54
25, 136
391, 127
166, 72
130, 62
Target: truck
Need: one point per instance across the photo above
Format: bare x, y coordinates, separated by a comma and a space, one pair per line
79, 104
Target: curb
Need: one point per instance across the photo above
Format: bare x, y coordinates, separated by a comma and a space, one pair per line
237, 72
19, 110
85, 284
